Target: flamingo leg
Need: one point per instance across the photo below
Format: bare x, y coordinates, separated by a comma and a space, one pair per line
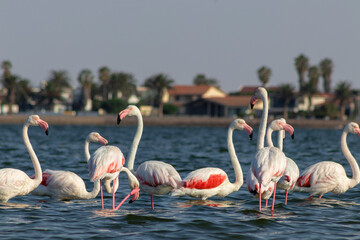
266, 204
101, 193
320, 196
273, 203
286, 195
113, 193
259, 197
152, 202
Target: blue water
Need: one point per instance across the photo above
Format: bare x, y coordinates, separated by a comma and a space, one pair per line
186, 148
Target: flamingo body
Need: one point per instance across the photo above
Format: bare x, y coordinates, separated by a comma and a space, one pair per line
291, 175
254, 188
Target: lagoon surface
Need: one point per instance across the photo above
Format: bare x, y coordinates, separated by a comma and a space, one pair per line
187, 149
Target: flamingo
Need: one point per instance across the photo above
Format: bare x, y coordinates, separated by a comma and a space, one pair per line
66, 185
14, 182
328, 176
251, 180
207, 182
155, 177
291, 174
269, 163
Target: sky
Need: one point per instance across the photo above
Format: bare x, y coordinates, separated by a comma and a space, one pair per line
228, 40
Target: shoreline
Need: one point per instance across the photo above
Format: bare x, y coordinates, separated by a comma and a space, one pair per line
185, 121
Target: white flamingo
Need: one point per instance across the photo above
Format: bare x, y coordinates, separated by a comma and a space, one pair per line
66, 185
269, 163
291, 174
251, 180
155, 177
328, 176
207, 182
14, 182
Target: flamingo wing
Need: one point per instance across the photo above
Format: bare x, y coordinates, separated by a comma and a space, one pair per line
155, 173
291, 175
14, 182
106, 160
253, 186
269, 165
205, 178
63, 182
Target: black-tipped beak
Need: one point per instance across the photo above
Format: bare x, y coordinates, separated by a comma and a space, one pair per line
251, 105
47, 132
293, 136
118, 119
131, 201
251, 135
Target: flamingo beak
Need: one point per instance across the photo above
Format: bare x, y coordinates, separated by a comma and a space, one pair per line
103, 141
44, 125
135, 195
289, 129
122, 114
252, 102
249, 130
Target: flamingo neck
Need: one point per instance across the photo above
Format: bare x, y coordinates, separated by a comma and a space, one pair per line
135, 143
281, 139
264, 117
86, 150
239, 179
268, 137
95, 191
108, 187
353, 164
35, 161
133, 182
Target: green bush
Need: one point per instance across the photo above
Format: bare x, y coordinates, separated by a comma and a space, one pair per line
328, 109
114, 105
170, 109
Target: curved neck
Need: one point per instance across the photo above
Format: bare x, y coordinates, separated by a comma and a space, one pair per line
269, 141
281, 139
353, 164
135, 143
95, 191
239, 179
108, 187
133, 182
262, 127
38, 173
86, 150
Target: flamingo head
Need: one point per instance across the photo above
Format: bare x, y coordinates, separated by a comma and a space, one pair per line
134, 194
131, 110
280, 124
34, 120
96, 137
353, 128
240, 124
260, 93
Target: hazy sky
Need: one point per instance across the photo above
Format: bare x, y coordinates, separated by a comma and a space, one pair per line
224, 39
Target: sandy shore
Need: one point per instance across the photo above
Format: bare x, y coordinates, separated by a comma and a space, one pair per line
110, 120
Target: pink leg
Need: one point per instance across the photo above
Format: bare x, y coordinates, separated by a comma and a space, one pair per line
102, 199
273, 203
266, 204
259, 197
286, 194
152, 202
113, 194
320, 196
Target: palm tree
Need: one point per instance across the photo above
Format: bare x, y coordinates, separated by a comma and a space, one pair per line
343, 94
158, 83
6, 66
201, 79
326, 67
86, 79
264, 75
54, 87
286, 93
10, 83
301, 65
123, 82
24, 94
311, 86
104, 77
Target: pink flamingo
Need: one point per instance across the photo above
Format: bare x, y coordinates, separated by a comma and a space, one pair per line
66, 185
328, 176
155, 177
291, 174
14, 182
207, 182
269, 163
252, 181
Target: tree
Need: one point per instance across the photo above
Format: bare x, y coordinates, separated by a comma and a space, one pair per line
201, 79
54, 87
311, 86
326, 67
86, 79
123, 82
24, 94
286, 93
301, 65
264, 75
6, 66
10, 83
343, 93
104, 77
158, 83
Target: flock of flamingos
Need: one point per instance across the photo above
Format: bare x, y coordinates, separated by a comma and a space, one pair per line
270, 168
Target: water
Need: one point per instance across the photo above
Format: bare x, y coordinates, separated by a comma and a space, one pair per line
186, 148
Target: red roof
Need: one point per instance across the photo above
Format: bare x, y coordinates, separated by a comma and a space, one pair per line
189, 89
232, 101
